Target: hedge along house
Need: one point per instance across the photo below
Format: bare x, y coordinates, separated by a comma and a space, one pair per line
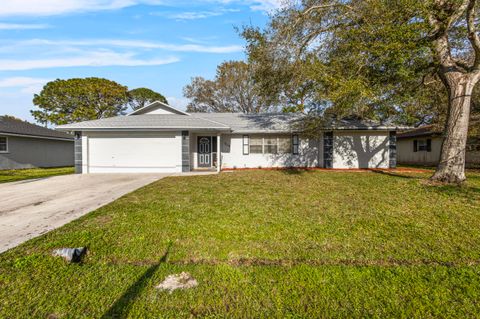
160, 138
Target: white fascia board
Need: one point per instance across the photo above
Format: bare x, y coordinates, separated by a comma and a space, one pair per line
157, 102
164, 128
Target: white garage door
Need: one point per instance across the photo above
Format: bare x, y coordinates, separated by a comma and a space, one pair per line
134, 153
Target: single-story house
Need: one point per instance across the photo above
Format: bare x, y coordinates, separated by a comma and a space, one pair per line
26, 145
422, 146
160, 138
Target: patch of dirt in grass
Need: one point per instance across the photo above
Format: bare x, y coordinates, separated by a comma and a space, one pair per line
178, 281
103, 219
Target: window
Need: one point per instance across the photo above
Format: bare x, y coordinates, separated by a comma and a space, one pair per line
273, 144
270, 145
284, 145
295, 143
245, 144
256, 145
3, 145
424, 145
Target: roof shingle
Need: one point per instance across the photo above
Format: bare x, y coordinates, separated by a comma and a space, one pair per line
9, 125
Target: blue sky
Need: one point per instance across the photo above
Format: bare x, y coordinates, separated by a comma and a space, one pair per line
159, 44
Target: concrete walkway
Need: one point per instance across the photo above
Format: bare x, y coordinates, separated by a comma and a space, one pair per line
32, 207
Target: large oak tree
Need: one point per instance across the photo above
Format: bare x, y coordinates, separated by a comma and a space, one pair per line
377, 58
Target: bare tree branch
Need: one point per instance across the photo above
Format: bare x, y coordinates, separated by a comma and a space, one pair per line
472, 33
326, 6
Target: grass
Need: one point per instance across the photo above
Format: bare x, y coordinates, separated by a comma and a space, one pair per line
262, 244
14, 175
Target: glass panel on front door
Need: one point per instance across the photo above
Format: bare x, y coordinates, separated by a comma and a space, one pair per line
204, 151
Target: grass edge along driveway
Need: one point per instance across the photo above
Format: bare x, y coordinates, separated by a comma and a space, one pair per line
14, 175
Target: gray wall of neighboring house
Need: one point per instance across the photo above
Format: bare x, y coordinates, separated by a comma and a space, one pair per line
406, 155
26, 152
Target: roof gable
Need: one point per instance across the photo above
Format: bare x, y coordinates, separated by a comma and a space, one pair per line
158, 107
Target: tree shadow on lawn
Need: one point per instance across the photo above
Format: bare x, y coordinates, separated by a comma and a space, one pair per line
395, 174
121, 307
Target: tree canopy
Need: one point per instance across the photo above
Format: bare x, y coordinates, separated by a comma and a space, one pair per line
138, 98
408, 61
74, 100
233, 90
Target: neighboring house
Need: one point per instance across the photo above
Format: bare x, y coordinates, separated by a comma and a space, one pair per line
25, 145
160, 138
422, 146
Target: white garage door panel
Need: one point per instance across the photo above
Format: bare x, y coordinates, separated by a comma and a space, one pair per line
134, 154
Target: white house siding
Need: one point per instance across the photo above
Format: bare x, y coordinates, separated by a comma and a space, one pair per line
233, 157
360, 149
131, 152
406, 155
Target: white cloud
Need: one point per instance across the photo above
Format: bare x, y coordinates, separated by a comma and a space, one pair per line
27, 85
267, 5
137, 44
16, 26
93, 59
56, 7
10, 8
194, 15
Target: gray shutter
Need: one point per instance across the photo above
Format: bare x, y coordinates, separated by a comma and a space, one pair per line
78, 152
328, 149
415, 145
185, 151
392, 147
295, 144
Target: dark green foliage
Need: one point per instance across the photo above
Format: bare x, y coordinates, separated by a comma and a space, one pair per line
74, 100
138, 98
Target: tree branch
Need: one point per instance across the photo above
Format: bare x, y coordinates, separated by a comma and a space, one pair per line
326, 6
472, 33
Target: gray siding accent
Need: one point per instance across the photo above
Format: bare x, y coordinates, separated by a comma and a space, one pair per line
185, 151
328, 149
27, 152
78, 152
392, 147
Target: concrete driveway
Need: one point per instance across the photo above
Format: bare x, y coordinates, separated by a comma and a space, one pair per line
32, 207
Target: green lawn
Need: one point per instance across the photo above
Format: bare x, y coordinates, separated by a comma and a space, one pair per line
14, 175
262, 244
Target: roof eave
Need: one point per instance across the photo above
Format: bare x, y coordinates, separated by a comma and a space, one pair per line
70, 139
71, 129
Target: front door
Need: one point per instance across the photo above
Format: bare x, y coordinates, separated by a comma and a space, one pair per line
204, 151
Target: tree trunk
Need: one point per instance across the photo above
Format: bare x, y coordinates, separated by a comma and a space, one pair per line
451, 168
